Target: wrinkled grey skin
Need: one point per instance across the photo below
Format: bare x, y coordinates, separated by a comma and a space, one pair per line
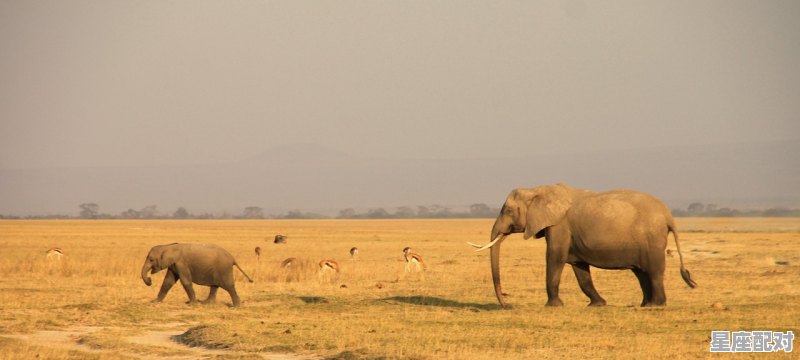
620, 229
208, 265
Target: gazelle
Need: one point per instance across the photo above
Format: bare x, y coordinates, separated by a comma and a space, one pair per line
328, 265
280, 239
413, 258
328, 270
288, 262
353, 252
258, 252
54, 253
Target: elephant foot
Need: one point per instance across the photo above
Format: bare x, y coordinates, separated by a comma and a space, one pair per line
554, 302
208, 301
654, 304
192, 302
598, 302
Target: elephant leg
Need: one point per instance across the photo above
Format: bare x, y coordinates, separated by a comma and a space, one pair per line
231, 289
659, 296
656, 271
554, 268
186, 281
169, 280
646, 284
584, 276
556, 258
212, 295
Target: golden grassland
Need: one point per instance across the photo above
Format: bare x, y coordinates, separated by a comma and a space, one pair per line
93, 303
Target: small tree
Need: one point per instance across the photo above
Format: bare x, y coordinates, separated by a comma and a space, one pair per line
481, 210
253, 212
130, 214
294, 214
439, 210
727, 212
423, 211
679, 212
696, 208
777, 211
404, 212
379, 213
348, 213
149, 212
89, 210
181, 213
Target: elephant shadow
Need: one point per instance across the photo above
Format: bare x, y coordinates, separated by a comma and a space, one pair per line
440, 302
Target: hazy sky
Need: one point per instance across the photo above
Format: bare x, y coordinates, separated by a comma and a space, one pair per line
129, 83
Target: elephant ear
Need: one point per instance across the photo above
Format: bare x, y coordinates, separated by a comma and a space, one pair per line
168, 257
547, 208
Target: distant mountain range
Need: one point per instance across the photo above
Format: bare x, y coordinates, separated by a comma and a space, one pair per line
313, 178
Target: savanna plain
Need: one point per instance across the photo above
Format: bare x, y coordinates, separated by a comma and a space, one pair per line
93, 304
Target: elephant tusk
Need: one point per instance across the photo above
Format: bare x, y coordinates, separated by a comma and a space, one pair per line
484, 247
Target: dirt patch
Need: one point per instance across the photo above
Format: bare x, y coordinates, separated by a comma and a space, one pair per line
163, 339
64, 339
176, 341
197, 338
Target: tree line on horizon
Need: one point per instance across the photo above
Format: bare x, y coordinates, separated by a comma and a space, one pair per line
478, 210
92, 211
697, 209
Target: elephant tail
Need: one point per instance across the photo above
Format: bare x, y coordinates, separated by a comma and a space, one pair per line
243, 273
684, 273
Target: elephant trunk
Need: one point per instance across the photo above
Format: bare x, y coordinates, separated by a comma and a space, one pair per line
145, 269
497, 238
495, 256
495, 230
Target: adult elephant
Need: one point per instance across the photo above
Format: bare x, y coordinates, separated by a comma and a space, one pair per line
208, 265
620, 229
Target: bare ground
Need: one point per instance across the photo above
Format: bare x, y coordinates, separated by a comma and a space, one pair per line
168, 339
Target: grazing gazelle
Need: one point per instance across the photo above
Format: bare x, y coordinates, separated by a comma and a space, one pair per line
328, 270
415, 259
328, 265
55, 253
288, 262
258, 252
353, 252
280, 239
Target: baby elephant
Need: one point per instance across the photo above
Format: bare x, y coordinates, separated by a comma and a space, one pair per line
208, 265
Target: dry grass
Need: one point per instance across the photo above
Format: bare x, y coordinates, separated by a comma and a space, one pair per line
94, 304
